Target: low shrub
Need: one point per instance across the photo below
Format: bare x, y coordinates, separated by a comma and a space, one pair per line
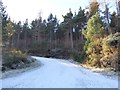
110, 51
75, 56
104, 52
13, 58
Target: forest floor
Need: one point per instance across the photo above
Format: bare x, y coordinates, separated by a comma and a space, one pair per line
59, 73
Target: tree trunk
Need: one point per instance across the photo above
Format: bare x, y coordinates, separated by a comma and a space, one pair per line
71, 37
25, 41
18, 39
50, 40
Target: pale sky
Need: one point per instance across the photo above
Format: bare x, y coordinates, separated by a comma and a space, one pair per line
19, 10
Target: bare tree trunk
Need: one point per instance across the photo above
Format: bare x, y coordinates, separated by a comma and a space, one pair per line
11, 42
71, 37
38, 34
107, 16
55, 40
18, 39
50, 39
67, 39
25, 41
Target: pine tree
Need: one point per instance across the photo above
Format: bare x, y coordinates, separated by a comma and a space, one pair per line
4, 18
25, 34
107, 17
18, 28
79, 21
10, 30
94, 28
68, 22
93, 8
93, 35
52, 27
113, 20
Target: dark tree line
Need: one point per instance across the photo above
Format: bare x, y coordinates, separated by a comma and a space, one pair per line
43, 36
46, 34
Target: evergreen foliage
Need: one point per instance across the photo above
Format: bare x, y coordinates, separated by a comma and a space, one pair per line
81, 36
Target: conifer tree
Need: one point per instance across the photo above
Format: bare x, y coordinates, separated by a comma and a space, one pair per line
93, 8
93, 35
